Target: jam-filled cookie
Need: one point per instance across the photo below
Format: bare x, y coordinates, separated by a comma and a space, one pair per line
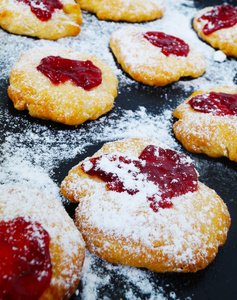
140, 204
42, 252
155, 58
217, 25
124, 10
45, 19
208, 122
62, 85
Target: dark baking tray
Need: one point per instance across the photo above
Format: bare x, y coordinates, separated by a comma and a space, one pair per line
219, 279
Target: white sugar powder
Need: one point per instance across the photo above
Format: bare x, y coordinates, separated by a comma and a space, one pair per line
29, 156
129, 276
37, 150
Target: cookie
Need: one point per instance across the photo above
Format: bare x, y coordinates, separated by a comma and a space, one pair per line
62, 85
124, 10
49, 20
217, 25
155, 58
209, 125
41, 249
140, 204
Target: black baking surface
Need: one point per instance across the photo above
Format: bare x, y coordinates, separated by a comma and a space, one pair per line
219, 279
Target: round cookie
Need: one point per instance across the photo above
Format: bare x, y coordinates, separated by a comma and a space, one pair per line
124, 10
61, 102
146, 63
17, 17
200, 132
29, 215
224, 39
182, 234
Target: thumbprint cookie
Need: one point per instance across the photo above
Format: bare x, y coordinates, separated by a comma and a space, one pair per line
124, 10
217, 25
42, 251
208, 122
45, 19
153, 57
62, 85
141, 204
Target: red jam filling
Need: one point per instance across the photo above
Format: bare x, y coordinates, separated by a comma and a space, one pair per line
25, 265
219, 104
82, 73
171, 173
221, 16
168, 43
43, 9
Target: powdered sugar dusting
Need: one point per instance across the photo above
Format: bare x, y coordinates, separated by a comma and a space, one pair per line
37, 149
125, 276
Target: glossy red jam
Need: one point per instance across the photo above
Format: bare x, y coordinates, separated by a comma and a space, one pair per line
43, 9
221, 16
82, 73
168, 43
25, 265
219, 104
171, 172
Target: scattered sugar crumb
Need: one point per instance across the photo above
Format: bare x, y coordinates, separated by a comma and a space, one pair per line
219, 56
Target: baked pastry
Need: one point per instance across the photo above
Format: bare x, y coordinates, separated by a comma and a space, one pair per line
62, 85
45, 19
124, 10
208, 122
217, 25
42, 252
155, 58
140, 204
